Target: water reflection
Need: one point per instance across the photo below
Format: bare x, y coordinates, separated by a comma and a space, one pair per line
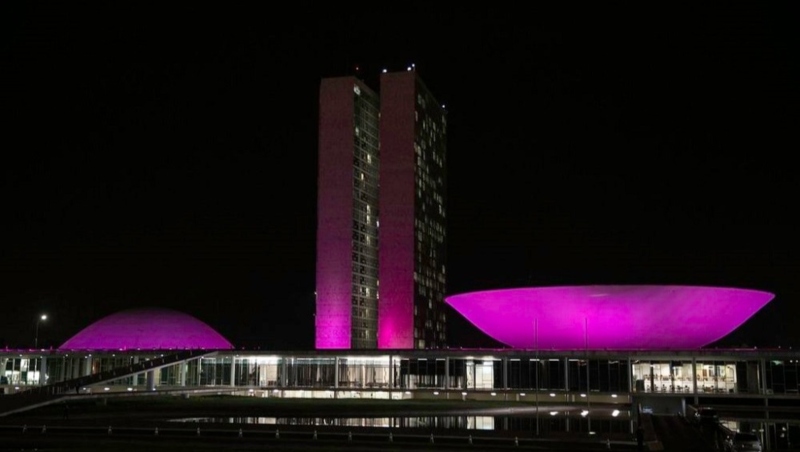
550, 422
449, 422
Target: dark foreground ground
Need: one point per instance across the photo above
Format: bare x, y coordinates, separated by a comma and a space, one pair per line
144, 424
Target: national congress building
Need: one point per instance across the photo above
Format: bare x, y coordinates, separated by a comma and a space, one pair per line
596, 351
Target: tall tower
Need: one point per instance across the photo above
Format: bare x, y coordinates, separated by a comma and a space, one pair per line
412, 201
381, 215
347, 216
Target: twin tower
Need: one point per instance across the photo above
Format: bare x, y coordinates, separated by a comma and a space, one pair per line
381, 236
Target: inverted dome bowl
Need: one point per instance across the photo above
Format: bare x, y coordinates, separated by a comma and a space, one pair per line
609, 316
147, 329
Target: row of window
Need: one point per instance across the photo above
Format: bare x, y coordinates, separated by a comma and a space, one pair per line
361, 269
364, 280
365, 228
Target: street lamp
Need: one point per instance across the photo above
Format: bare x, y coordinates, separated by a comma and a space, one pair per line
36, 338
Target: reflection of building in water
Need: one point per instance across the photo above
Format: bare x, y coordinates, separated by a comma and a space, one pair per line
570, 420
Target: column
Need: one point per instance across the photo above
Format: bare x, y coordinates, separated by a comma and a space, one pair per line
694, 381
43, 371
233, 371
62, 375
75, 369
198, 369
630, 376
652, 376
764, 393
588, 391
151, 380
336, 373
87, 366
505, 373
392, 382
183, 369
135, 377
447, 373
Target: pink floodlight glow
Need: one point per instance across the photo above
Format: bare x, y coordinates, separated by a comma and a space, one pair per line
397, 207
609, 316
147, 329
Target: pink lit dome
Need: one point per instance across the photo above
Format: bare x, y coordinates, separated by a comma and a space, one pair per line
609, 316
147, 329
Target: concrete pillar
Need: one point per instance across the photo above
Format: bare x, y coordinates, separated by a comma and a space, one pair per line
87, 366
694, 381
42, 371
505, 373
62, 374
336, 373
630, 376
75, 369
151, 380
233, 371
566, 376
284, 373
183, 368
135, 377
765, 394
447, 373
392, 373
197, 371
588, 391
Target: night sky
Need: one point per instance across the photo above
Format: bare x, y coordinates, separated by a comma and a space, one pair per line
167, 156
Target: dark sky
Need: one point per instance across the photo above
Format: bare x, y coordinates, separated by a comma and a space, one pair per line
166, 156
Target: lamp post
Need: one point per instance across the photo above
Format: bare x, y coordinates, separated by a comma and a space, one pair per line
36, 337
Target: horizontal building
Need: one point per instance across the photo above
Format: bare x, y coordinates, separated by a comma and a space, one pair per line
133, 351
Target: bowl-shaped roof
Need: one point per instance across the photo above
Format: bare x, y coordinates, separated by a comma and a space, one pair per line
609, 316
147, 329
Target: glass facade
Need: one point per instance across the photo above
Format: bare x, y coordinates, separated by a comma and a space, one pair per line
726, 376
781, 376
430, 220
567, 376
364, 296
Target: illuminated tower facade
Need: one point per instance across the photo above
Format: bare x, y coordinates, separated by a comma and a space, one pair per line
412, 202
347, 216
381, 215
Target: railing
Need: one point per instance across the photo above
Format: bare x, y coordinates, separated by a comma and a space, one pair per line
302, 437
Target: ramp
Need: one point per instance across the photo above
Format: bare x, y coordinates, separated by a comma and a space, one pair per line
37, 396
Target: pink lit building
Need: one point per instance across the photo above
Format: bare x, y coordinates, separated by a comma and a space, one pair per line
381, 215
